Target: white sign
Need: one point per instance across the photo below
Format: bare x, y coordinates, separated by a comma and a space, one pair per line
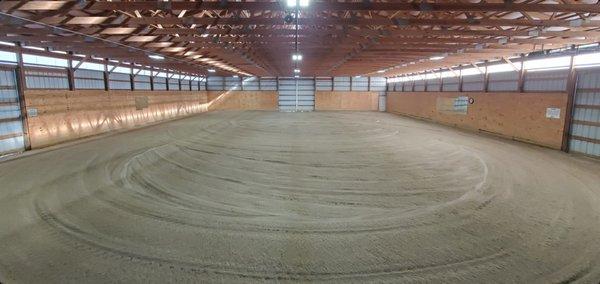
553, 112
32, 112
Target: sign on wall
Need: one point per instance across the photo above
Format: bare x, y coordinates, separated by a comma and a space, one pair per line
458, 105
553, 113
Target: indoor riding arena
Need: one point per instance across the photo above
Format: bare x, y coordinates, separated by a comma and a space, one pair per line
295, 141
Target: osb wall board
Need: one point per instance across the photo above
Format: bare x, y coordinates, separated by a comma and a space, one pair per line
326, 100
67, 115
519, 116
236, 100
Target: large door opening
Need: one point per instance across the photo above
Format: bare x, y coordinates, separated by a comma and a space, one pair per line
296, 94
11, 122
585, 123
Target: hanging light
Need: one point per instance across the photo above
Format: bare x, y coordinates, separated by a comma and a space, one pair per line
157, 57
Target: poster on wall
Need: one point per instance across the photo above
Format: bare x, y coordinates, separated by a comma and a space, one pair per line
458, 105
553, 113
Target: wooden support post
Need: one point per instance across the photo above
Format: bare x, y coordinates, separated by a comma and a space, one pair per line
571, 92
151, 79
167, 81
70, 72
105, 75
131, 78
460, 79
521, 83
486, 78
332, 82
21, 87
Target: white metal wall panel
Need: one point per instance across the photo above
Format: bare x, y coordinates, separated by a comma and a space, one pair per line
141, 82
216, 83
324, 83
544, 81
11, 125
451, 84
408, 86
296, 94
377, 84
585, 123
88, 79
382, 101
419, 86
433, 85
196, 85
46, 79
202, 84
119, 81
268, 84
473, 83
250, 84
503, 81
173, 84
233, 83
160, 83
185, 85
391, 87
360, 84
287, 94
341, 83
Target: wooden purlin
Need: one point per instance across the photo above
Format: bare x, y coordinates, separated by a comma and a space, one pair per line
348, 38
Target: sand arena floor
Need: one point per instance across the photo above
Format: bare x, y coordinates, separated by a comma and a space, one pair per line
324, 196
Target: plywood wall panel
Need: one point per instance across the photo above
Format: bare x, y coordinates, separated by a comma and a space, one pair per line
67, 115
519, 116
243, 100
328, 100
64, 115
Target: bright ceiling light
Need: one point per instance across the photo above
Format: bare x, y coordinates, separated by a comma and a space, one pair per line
235, 76
437, 57
301, 3
297, 76
296, 70
297, 57
157, 57
212, 70
381, 71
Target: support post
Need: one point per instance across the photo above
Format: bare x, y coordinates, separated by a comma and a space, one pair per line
105, 75
21, 87
486, 78
571, 92
131, 78
70, 71
151, 79
167, 81
460, 79
522, 75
